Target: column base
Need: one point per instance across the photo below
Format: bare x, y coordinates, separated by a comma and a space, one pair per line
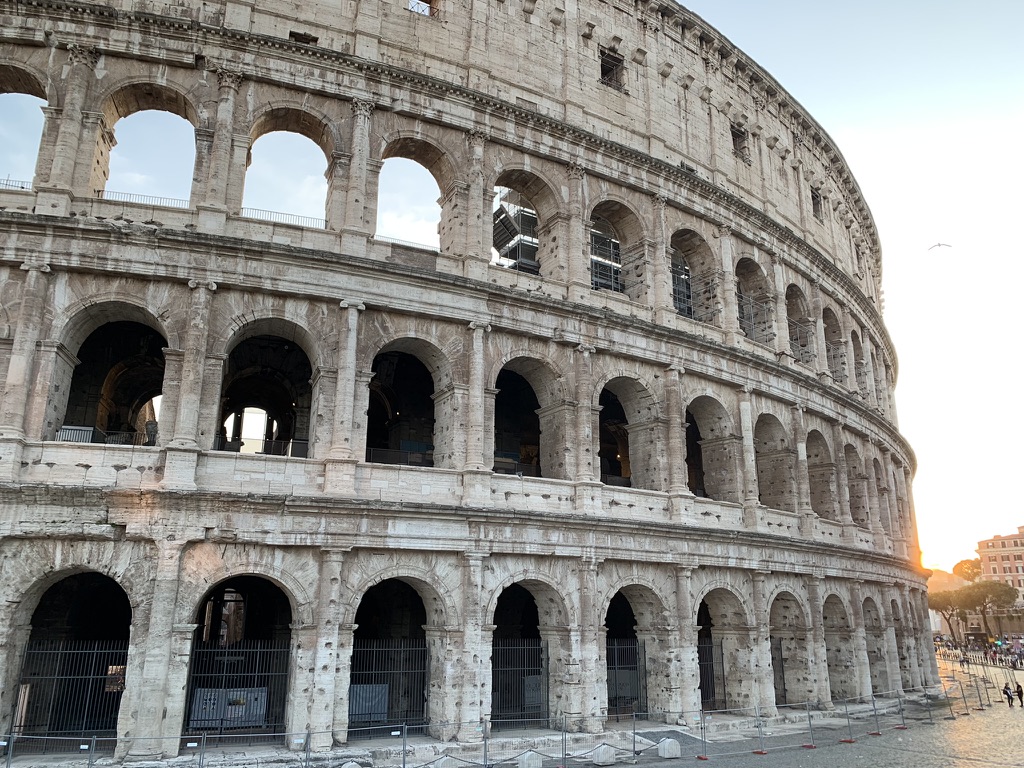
588, 495
212, 218
12, 446
180, 463
53, 201
340, 477
476, 488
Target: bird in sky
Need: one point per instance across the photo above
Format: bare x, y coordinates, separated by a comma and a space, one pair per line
941, 245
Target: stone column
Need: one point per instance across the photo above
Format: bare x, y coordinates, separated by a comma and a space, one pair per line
355, 229
593, 674
730, 307
842, 477
911, 631
688, 692
18, 383
751, 501
869, 372
874, 502
337, 175
220, 170
179, 471
470, 680
663, 301
588, 471
861, 662
78, 75
340, 465
577, 249
803, 478
150, 688
821, 347
761, 654
477, 246
346, 634
892, 653
328, 650
676, 439
781, 312
819, 651
851, 358
477, 471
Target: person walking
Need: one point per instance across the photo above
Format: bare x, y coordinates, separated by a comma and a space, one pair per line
1020, 694
1008, 693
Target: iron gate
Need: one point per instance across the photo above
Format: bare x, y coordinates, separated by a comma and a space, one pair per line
519, 684
70, 689
779, 671
388, 686
627, 676
239, 690
711, 665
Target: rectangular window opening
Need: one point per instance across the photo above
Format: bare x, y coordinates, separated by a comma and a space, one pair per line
613, 69
816, 207
740, 143
423, 7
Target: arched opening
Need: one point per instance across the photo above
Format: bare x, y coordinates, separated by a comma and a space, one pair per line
140, 174
625, 660
128, 165
776, 463
882, 494
408, 194
694, 278
390, 661
821, 473
516, 426
519, 663
859, 367
73, 674
903, 632
514, 240
720, 450
724, 647
614, 438
400, 419
238, 671
266, 398
874, 637
286, 178
790, 649
835, 347
802, 329
21, 128
839, 649
754, 303
694, 458
116, 386
605, 256
857, 485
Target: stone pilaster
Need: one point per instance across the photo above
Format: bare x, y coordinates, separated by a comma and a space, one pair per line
751, 501
327, 650
860, 646
355, 229
761, 654
578, 244
341, 461
220, 167
819, 655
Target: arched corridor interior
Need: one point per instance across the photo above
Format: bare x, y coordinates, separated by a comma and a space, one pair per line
75, 662
238, 671
400, 419
516, 426
625, 660
519, 663
390, 660
113, 387
614, 448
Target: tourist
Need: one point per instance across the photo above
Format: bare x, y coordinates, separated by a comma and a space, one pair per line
1008, 693
1020, 694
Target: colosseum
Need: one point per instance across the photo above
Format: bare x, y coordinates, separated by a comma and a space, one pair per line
625, 442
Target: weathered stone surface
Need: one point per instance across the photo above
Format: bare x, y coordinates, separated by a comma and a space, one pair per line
604, 755
669, 748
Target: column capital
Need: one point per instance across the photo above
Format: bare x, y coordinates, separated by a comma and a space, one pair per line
83, 54
362, 107
35, 266
480, 325
208, 285
576, 170
228, 78
355, 304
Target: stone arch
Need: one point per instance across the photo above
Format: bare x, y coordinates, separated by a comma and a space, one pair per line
725, 645
441, 608
776, 464
821, 473
425, 151
629, 432
754, 301
903, 630
835, 346
791, 648
529, 429
696, 275
801, 325
840, 653
18, 77
883, 496
526, 212
303, 120
857, 485
859, 364
631, 655
618, 248
713, 451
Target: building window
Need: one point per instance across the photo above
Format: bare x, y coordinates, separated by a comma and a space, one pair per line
740, 143
816, 207
613, 69
423, 7
1006, 558
605, 257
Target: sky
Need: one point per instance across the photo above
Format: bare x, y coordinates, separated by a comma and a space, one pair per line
925, 100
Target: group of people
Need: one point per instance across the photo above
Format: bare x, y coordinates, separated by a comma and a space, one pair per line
1009, 693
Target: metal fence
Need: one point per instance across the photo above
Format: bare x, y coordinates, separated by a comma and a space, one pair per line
388, 685
284, 218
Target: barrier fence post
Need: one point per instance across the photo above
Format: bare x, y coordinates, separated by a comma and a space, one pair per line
849, 725
810, 728
903, 719
977, 689
634, 735
565, 743
9, 742
874, 710
949, 701
486, 763
92, 751
963, 695
703, 738
760, 732
306, 750
928, 702
202, 750
405, 742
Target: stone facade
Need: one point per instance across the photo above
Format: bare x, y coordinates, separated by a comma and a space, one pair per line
665, 423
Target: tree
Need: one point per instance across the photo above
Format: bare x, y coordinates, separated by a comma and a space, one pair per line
947, 605
983, 597
968, 570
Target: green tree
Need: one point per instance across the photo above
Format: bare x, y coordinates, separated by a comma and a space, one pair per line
983, 597
947, 605
968, 570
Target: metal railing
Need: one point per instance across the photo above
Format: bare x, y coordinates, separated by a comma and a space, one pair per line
297, 449
24, 186
284, 218
83, 434
405, 243
395, 456
132, 197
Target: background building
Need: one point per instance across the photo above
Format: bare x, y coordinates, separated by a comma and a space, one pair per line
625, 443
1002, 559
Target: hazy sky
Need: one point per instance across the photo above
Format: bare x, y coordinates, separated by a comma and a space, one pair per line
924, 98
